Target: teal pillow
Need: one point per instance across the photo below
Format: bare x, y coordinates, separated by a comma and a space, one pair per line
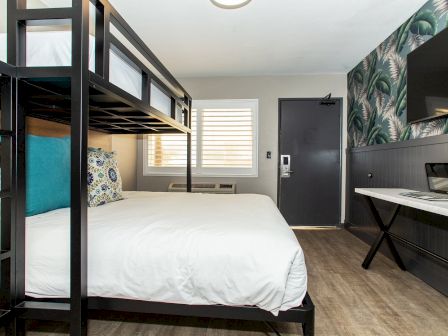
47, 174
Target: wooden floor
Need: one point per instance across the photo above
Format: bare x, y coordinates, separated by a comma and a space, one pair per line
349, 300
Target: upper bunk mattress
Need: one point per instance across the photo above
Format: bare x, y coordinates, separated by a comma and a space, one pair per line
53, 48
197, 249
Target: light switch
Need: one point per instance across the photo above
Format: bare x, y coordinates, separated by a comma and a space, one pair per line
268, 155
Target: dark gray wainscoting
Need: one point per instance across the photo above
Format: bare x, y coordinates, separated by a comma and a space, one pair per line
401, 165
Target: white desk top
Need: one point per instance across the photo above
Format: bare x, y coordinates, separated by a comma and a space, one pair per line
393, 196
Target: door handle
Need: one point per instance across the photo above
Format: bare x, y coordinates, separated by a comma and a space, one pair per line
285, 166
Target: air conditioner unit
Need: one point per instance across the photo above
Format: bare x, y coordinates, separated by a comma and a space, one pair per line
207, 188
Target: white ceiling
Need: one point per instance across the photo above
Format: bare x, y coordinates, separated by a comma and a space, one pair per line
193, 38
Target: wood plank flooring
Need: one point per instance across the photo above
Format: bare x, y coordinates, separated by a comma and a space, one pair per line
349, 300
380, 301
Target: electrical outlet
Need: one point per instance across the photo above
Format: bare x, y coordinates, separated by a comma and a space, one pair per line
268, 155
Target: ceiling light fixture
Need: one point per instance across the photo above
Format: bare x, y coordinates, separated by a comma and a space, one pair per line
230, 4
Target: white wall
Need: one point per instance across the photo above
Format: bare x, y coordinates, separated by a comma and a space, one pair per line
126, 148
268, 90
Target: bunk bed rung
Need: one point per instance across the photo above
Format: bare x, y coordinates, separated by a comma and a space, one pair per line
6, 133
50, 311
5, 194
5, 255
6, 69
44, 14
44, 72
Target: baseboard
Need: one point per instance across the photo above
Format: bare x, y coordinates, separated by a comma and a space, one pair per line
314, 227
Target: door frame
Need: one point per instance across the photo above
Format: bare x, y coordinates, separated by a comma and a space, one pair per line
341, 125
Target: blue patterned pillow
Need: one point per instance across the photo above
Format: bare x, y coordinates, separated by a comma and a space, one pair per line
103, 178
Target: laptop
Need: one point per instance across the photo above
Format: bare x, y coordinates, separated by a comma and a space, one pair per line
437, 175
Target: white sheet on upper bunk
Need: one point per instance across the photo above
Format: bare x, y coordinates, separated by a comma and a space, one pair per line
53, 48
175, 247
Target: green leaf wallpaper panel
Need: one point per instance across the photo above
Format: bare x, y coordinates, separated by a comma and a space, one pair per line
377, 87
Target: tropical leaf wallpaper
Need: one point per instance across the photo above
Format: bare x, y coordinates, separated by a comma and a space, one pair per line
377, 87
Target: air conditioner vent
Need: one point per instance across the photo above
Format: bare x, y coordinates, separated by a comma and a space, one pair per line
208, 188
203, 186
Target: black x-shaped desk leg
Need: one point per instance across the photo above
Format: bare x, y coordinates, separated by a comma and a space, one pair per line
384, 234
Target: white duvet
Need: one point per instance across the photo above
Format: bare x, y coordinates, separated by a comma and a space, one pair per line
175, 247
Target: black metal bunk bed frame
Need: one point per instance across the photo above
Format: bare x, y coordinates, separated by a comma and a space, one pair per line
85, 100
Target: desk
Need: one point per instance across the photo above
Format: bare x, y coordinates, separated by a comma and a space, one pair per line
393, 196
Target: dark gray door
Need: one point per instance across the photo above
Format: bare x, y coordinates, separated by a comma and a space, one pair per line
310, 162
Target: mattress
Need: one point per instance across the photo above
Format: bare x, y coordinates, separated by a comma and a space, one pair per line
196, 249
53, 48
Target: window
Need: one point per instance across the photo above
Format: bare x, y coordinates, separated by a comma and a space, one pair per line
166, 154
224, 142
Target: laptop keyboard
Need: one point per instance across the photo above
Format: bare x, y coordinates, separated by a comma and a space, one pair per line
426, 195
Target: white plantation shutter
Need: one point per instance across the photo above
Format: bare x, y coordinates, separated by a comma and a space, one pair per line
224, 141
228, 142
170, 150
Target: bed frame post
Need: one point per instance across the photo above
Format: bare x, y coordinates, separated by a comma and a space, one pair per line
79, 138
189, 182
308, 317
12, 205
20, 203
16, 56
308, 326
102, 43
16, 34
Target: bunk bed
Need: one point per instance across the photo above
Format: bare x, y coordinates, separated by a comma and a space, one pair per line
87, 95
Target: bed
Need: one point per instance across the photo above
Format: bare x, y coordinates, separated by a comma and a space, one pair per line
189, 271
232, 250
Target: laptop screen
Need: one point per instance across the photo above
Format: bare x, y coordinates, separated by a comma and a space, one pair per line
437, 174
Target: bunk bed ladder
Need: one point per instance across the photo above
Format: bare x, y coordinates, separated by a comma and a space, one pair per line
8, 148
16, 91
74, 311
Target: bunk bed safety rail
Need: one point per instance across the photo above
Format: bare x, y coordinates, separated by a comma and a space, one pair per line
116, 54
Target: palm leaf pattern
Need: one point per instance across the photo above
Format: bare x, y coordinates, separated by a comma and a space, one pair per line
431, 128
402, 88
406, 134
377, 86
396, 128
415, 41
445, 128
396, 65
424, 23
441, 7
402, 35
355, 120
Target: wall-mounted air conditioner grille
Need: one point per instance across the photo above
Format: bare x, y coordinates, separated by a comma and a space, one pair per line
208, 188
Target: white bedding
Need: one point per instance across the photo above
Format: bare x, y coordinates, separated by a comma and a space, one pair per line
175, 247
